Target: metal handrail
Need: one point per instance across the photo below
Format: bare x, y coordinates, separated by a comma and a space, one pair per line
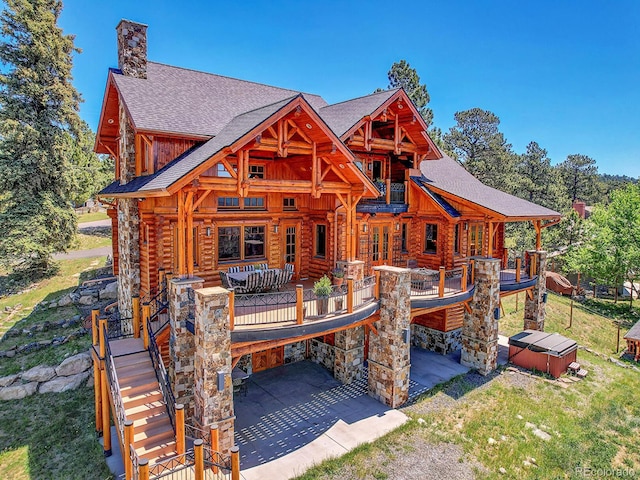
163, 378
114, 389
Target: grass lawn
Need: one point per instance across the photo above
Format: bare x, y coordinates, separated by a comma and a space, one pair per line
594, 424
87, 242
48, 435
92, 217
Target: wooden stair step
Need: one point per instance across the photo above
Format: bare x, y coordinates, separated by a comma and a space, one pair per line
128, 374
152, 452
157, 416
133, 359
142, 411
162, 425
138, 386
160, 436
142, 399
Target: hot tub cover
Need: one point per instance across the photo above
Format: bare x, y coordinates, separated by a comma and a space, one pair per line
548, 343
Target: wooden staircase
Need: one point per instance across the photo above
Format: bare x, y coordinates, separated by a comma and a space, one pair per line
153, 434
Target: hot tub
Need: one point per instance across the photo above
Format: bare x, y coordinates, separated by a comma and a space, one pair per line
547, 352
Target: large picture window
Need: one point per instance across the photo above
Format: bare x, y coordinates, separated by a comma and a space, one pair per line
236, 203
430, 238
321, 241
241, 243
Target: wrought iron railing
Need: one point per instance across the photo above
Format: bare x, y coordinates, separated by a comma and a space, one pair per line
396, 193
118, 326
181, 467
135, 463
364, 291
513, 274
114, 389
163, 378
158, 303
427, 282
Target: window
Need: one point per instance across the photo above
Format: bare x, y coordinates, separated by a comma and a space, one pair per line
430, 238
289, 204
147, 156
456, 239
476, 240
404, 238
321, 241
241, 243
219, 170
233, 203
256, 171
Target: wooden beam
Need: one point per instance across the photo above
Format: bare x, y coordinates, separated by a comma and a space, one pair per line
201, 198
314, 172
244, 348
537, 226
189, 227
180, 240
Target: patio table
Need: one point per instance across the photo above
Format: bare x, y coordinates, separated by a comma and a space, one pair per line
240, 278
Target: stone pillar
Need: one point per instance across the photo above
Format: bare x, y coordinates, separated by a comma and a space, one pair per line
213, 357
128, 255
182, 341
349, 355
132, 48
354, 268
480, 327
388, 351
534, 310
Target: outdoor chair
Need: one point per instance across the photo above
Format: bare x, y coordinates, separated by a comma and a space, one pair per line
281, 279
267, 280
233, 269
224, 278
249, 268
289, 267
251, 285
262, 266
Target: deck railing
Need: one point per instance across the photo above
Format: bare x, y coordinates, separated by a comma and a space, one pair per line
161, 375
516, 271
296, 306
441, 282
390, 192
119, 414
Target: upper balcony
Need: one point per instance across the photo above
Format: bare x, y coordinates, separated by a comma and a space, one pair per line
392, 199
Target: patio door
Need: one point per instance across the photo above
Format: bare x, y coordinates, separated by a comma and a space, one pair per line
381, 244
291, 245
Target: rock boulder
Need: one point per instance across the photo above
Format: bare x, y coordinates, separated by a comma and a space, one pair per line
41, 373
74, 365
16, 392
63, 384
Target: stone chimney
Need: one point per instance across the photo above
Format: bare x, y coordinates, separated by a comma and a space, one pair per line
580, 207
132, 48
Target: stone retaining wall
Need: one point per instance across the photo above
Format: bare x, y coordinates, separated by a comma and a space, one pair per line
69, 375
322, 353
436, 340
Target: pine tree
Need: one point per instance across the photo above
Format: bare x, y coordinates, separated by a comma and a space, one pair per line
402, 75
38, 113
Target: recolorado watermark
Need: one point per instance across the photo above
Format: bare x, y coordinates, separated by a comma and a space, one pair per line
606, 472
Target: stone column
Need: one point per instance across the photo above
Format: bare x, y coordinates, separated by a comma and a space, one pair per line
480, 327
534, 310
354, 268
182, 341
349, 355
388, 351
128, 255
213, 357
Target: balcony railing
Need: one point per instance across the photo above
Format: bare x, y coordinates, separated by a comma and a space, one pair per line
439, 283
301, 305
390, 192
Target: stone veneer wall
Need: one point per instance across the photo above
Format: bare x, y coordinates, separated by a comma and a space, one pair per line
132, 48
295, 352
213, 355
389, 354
480, 327
182, 342
128, 255
436, 340
322, 353
534, 310
349, 355
353, 268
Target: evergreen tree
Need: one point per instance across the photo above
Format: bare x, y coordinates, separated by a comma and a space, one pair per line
580, 175
401, 75
38, 115
538, 181
479, 145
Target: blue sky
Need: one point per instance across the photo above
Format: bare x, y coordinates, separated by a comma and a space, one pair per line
563, 73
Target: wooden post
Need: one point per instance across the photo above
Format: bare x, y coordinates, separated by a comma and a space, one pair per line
146, 314
126, 454
299, 305
350, 295
180, 440
136, 316
441, 283
143, 469
518, 269
463, 279
388, 192
199, 459
104, 387
406, 192
473, 272
214, 436
232, 307
532, 265
235, 463
96, 372
376, 290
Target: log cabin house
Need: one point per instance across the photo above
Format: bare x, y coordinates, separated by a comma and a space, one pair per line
215, 174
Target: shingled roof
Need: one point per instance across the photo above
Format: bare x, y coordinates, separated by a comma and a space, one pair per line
182, 101
447, 175
341, 117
